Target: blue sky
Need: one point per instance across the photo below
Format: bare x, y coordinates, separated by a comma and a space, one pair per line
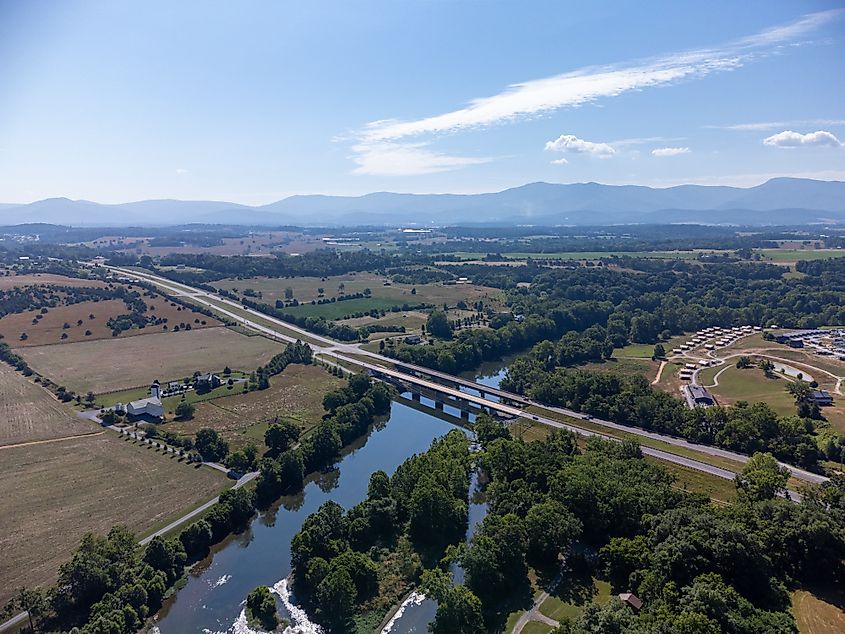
253, 101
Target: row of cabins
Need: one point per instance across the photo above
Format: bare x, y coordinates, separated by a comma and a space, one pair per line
720, 337
823, 342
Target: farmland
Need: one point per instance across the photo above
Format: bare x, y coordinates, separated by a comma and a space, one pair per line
296, 394
41, 279
28, 412
120, 363
819, 611
307, 289
50, 327
56, 492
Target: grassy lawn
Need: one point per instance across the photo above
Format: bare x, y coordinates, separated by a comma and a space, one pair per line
536, 627
56, 492
752, 385
573, 594
714, 487
819, 610
170, 402
627, 366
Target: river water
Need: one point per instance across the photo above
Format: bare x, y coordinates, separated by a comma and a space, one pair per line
212, 599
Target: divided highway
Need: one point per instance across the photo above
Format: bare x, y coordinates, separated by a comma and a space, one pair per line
340, 351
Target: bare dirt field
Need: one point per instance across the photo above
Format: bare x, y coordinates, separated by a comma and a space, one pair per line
295, 394
54, 493
123, 362
32, 279
28, 412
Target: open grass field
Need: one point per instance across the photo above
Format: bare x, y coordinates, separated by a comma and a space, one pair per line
714, 487
536, 627
413, 321
50, 328
796, 255
752, 385
29, 413
120, 363
338, 310
306, 289
573, 594
296, 394
643, 366
56, 492
43, 279
819, 611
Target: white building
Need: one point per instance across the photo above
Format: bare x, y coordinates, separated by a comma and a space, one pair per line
151, 406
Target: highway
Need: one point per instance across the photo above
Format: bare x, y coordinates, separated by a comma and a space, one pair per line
340, 351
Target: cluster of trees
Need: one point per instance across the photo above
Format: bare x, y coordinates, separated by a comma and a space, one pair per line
470, 347
19, 299
320, 263
413, 515
14, 360
631, 400
697, 567
296, 352
350, 412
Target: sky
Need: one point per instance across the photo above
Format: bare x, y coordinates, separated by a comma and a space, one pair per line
253, 101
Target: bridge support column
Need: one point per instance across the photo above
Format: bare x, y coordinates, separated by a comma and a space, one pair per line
438, 405
415, 396
465, 414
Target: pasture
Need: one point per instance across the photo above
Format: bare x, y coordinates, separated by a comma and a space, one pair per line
88, 321
120, 363
787, 256
307, 289
29, 412
56, 492
296, 394
43, 279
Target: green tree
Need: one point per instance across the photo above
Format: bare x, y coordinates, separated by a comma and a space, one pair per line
551, 528
210, 446
799, 390
184, 411
458, 609
261, 607
659, 351
744, 362
279, 437
767, 367
438, 325
762, 478
336, 597
487, 429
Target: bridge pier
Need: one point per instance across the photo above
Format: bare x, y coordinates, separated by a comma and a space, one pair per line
438, 405
465, 414
415, 396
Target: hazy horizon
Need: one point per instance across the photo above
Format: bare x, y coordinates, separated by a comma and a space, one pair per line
113, 102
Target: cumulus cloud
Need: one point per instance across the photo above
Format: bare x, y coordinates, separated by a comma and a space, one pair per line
571, 89
790, 139
571, 143
670, 151
406, 159
560, 161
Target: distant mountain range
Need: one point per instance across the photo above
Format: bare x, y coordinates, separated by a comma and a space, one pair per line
778, 201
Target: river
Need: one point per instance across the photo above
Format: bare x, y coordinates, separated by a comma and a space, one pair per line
212, 599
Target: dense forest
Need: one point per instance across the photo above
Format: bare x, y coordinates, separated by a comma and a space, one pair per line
599, 511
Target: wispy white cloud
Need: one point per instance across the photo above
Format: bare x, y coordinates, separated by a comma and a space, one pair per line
542, 96
571, 143
181, 171
790, 139
560, 161
670, 151
774, 125
406, 159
